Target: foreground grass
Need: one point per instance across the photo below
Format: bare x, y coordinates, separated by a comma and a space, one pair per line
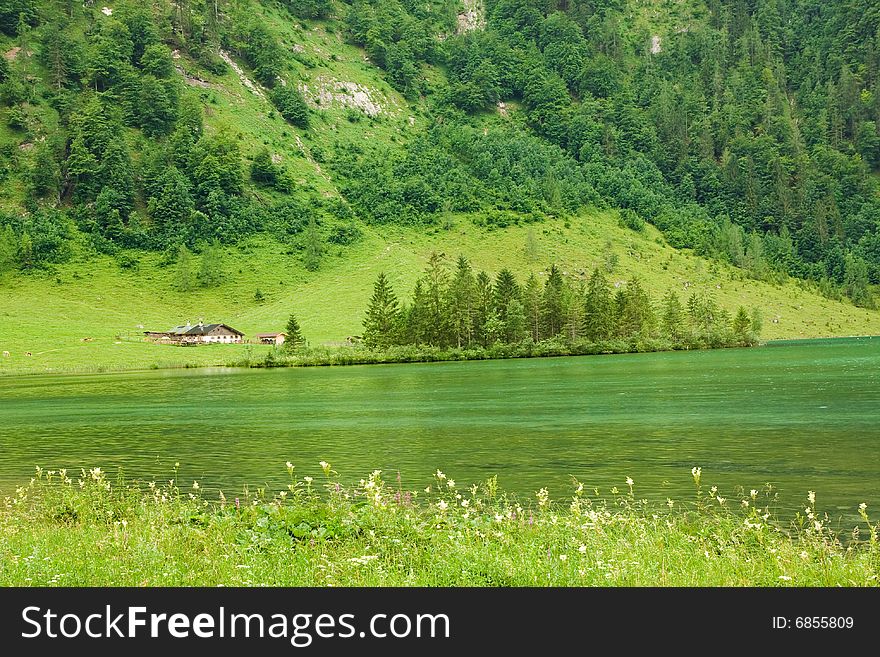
56, 531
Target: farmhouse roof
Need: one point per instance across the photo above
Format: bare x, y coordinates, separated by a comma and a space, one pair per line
201, 329
270, 335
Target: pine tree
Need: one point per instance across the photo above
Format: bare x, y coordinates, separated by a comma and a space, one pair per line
573, 312
417, 321
436, 280
506, 289
532, 307
742, 326
552, 303
636, 316
293, 338
462, 303
484, 308
598, 309
673, 317
381, 321
515, 327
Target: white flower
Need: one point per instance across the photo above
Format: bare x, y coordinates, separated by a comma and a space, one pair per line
720, 499
713, 490
753, 493
428, 489
811, 495
451, 483
629, 481
442, 505
499, 517
466, 503
195, 485
563, 557
745, 503
695, 473
582, 549
325, 466
669, 503
862, 506
440, 475
308, 480
289, 467
785, 578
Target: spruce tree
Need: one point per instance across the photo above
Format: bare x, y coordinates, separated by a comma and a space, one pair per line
506, 290
636, 315
532, 307
436, 281
673, 317
462, 303
381, 321
516, 326
598, 309
742, 327
293, 338
483, 308
552, 303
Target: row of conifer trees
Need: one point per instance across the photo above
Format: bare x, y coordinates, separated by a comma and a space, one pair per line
461, 308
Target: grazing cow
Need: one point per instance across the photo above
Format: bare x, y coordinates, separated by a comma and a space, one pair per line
5, 354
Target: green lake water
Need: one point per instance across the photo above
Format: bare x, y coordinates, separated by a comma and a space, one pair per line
802, 415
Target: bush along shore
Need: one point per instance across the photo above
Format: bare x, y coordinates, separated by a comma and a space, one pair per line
86, 530
361, 355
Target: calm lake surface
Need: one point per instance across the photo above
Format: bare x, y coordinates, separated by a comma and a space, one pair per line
804, 415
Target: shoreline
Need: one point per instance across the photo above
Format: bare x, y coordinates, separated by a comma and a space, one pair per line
350, 356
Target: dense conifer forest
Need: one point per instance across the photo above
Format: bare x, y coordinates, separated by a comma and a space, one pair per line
746, 130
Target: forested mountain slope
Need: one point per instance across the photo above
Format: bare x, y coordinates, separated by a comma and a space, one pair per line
745, 130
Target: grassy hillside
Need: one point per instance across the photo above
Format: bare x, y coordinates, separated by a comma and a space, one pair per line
88, 315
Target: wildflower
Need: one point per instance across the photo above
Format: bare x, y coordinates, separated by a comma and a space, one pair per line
440, 475
195, 485
124, 523
499, 517
669, 503
289, 467
325, 467
466, 503
753, 493
785, 578
713, 490
543, 497
308, 480
428, 489
745, 503
811, 495
582, 549
451, 483
862, 506
629, 481
442, 505
563, 557
695, 473
720, 499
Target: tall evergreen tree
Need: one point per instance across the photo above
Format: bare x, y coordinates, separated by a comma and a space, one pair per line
382, 319
636, 316
211, 267
463, 303
532, 306
673, 317
506, 289
552, 309
293, 338
598, 309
